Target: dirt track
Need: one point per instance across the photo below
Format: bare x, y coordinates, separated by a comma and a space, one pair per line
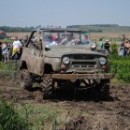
113, 114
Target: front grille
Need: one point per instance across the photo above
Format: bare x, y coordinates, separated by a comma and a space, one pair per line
85, 57
83, 64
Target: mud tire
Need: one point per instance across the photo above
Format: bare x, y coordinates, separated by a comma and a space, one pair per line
105, 88
25, 79
47, 86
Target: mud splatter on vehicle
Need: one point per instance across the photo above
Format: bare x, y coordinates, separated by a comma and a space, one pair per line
64, 58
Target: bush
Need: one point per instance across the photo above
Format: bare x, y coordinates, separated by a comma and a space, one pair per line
114, 51
9, 119
120, 67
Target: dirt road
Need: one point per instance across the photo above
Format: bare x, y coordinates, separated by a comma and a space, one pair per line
113, 114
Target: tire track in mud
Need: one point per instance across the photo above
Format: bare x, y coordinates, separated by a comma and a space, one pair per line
112, 114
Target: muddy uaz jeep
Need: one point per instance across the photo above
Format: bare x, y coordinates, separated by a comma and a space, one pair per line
54, 58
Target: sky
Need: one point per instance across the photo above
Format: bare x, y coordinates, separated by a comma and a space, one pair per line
22, 13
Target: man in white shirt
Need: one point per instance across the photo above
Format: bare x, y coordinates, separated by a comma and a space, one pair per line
17, 47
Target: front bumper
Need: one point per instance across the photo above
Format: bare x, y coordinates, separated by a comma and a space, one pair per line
82, 76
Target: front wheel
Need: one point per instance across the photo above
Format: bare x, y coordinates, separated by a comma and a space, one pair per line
105, 88
47, 86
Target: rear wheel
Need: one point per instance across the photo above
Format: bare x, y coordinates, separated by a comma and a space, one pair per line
25, 79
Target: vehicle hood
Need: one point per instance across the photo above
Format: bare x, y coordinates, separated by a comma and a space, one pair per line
59, 51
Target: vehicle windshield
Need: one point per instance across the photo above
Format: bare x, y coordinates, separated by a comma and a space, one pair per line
66, 38
58, 38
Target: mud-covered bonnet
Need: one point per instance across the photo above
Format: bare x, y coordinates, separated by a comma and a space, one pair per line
62, 50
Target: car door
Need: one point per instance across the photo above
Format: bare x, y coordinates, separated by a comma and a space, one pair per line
33, 54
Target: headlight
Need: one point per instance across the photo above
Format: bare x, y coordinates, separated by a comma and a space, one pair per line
93, 46
66, 60
102, 61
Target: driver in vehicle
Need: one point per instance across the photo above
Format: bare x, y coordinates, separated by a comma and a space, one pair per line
69, 39
51, 41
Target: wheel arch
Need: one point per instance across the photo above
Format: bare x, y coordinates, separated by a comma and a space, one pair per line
48, 68
23, 65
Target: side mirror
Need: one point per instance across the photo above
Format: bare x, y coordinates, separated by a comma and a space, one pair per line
47, 47
93, 46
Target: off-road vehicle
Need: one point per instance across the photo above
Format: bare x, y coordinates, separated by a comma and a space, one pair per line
53, 58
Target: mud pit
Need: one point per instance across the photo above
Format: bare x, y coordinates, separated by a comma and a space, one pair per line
112, 114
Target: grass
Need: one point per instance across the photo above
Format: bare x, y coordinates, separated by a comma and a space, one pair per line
9, 118
7, 68
6, 40
117, 81
46, 116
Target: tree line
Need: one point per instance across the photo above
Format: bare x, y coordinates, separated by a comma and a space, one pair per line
89, 28
16, 29
102, 27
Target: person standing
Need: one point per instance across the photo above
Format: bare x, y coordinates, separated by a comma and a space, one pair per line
100, 44
16, 49
0, 51
127, 47
121, 50
5, 52
107, 45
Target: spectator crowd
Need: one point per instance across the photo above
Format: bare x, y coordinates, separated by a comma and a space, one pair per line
104, 45
123, 48
14, 50
9, 51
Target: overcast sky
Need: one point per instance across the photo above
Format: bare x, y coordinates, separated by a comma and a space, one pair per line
64, 12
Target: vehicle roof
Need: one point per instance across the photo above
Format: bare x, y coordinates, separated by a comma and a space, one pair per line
62, 30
